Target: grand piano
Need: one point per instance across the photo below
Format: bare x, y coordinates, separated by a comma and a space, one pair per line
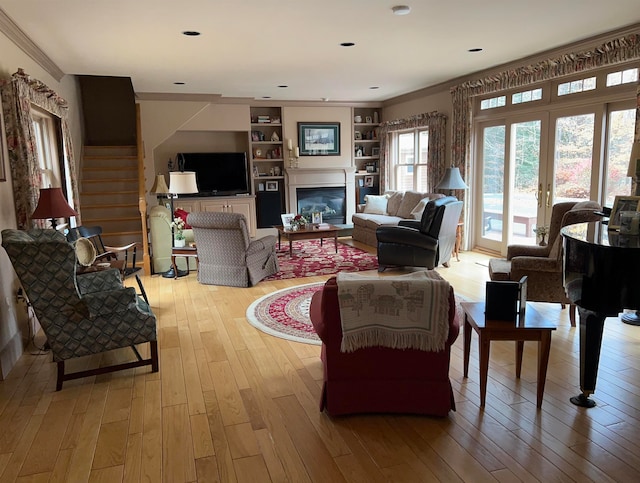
601, 276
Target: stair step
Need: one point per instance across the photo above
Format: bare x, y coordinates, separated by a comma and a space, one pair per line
110, 150
108, 193
110, 206
110, 180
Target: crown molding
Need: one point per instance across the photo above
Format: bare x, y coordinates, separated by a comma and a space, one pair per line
24, 43
530, 59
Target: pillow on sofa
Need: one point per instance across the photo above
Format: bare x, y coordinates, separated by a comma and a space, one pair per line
376, 204
416, 213
180, 213
395, 198
409, 202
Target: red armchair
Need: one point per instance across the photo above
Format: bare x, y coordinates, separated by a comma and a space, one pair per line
380, 379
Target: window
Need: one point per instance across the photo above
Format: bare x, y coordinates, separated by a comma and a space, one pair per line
46, 149
409, 160
575, 86
622, 77
494, 102
527, 96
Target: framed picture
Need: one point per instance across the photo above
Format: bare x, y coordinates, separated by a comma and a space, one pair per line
620, 204
271, 186
357, 135
368, 119
286, 219
319, 138
375, 151
368, 181
316, 217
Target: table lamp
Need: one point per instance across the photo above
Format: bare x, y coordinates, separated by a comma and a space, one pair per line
52, 204
180, 183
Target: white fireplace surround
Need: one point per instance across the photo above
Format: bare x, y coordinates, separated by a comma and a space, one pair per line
321, 177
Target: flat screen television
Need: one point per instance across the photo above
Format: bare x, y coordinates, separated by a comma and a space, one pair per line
217, 174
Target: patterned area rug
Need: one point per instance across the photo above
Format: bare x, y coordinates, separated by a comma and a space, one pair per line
310, 259
285, 313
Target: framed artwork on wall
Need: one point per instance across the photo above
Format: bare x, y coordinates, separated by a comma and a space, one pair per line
319, 138
271, 186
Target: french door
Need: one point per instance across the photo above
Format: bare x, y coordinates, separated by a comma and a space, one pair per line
511, 201
527, 164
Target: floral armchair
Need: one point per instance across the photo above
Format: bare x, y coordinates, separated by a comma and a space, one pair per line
80, 314
543, 264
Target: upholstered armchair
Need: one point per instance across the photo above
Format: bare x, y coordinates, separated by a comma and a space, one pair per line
428, 242
380, 379
80, 315
543, 264
226, 254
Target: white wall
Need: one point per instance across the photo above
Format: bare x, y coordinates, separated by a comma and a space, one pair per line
13, 326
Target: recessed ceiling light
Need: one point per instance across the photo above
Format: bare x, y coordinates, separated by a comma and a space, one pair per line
477, 49
191, 33
179, 83
266, 97
347, 44
283, 87
374, 87
401, 10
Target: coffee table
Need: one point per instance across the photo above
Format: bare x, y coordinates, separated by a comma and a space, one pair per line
330, 231
533, 327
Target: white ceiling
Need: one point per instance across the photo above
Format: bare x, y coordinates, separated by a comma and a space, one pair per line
249, 47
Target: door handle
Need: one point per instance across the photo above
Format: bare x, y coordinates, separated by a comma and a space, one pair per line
549, 195
539, 195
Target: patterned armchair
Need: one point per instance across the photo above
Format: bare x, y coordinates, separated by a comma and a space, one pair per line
226, 254
543, 264
80, 314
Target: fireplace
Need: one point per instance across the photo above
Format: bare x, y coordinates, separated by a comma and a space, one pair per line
330, 201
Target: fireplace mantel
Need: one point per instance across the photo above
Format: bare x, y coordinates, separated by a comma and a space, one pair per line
329, 177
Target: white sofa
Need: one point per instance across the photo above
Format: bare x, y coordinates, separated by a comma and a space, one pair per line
399, 206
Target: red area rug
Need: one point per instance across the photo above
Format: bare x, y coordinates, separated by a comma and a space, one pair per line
285, 313
310, 259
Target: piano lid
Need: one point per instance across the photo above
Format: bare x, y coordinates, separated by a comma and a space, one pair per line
601, 268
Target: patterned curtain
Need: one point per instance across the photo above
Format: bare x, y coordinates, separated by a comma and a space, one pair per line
19, 94
436, 164
615, 51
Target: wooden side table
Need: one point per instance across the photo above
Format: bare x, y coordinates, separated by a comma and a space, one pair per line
533, 327
183, 252
456, 248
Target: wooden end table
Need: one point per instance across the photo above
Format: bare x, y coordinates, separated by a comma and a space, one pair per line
183, 252
533, 327
308, 234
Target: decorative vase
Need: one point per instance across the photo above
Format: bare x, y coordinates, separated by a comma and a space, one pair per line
543, 242
179, 243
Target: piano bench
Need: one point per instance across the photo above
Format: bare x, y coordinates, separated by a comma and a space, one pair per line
499, 269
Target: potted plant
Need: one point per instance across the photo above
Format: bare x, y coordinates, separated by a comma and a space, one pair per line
178, 234
298, 222
542, 232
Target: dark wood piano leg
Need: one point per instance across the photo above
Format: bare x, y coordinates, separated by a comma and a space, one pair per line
591, 327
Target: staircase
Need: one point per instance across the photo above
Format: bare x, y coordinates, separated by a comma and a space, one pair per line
109, 193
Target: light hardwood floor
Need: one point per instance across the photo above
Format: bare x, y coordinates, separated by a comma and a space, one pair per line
233, 404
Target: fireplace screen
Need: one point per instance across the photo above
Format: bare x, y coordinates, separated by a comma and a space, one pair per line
330, 202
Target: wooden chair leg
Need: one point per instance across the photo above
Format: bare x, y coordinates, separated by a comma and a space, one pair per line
572, 314
60, 375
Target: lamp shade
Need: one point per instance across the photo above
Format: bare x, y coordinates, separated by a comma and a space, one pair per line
452, 180
159, 186
182, 182
634, 159
52, 204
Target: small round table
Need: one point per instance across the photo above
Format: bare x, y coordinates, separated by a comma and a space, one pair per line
183, 252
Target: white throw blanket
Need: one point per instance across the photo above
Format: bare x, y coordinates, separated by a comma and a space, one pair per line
401, 312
